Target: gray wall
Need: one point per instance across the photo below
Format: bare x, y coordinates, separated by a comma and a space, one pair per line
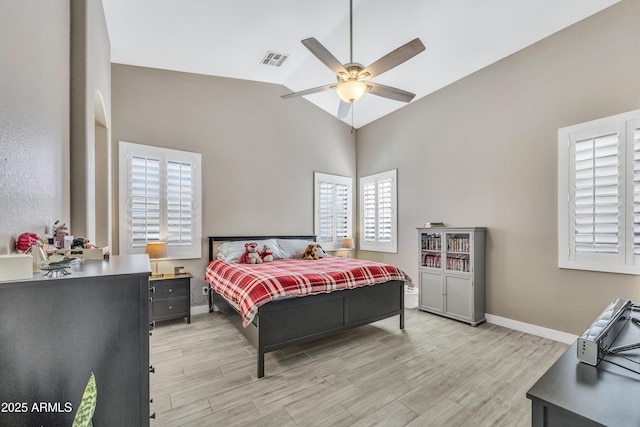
483, 152
49, 51
34, 116
259, 152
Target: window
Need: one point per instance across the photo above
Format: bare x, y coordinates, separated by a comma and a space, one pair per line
159, 200
378, 218
599, 195
333, 210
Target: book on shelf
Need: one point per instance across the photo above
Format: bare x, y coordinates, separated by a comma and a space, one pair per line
433, 224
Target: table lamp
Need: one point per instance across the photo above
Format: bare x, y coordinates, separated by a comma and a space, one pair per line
347, 245
157, 250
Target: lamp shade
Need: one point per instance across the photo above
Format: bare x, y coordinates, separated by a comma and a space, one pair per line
347, 243
351, 90
157, 250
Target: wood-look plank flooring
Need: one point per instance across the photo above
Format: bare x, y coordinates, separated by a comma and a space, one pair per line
435, 372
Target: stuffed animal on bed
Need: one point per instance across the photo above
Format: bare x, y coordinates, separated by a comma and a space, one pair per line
251, 254
267, 254
312, 252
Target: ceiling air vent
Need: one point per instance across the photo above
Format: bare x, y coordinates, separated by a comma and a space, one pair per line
274, 58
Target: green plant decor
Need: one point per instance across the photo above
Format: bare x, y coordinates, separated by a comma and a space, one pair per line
87, 407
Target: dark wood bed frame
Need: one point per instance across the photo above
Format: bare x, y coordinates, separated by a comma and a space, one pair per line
288, 321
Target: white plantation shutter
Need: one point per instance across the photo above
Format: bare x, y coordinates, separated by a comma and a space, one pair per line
385, 211
369, 209
378, 219
145, 201
180, 200
160, 200
635, 129
325, 231
333, 209
599, 195
343, 208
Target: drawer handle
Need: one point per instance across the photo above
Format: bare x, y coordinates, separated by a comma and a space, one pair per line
170, 307
152, 289
152, 369
170, 290
153, 416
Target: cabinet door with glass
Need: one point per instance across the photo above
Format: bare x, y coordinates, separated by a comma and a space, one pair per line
458, 252
452, 272
431, 251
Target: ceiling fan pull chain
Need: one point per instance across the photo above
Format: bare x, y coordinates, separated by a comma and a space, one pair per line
352, 128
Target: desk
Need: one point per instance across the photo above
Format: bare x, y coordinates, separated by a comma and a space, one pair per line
572, 393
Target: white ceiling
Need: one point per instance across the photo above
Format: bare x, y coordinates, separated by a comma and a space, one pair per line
230, 38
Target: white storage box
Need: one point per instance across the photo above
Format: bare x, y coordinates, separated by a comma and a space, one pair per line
410, 296
16, 267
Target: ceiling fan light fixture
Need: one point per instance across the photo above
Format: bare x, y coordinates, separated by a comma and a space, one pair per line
351, 90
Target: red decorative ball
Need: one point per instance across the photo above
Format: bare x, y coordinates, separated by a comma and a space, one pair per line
26, 240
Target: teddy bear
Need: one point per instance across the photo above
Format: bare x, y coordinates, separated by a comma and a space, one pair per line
79, 242
311, 252
267, 254
251, 254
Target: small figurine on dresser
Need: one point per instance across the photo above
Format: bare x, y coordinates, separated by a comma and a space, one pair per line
57, 264
59, 232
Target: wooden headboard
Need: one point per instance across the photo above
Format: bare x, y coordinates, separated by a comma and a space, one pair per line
213, 239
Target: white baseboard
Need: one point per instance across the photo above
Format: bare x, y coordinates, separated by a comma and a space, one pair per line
199, 309
532, 329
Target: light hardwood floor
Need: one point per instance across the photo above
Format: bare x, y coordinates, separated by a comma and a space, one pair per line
435, 372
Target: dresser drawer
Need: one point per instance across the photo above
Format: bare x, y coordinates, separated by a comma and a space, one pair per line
170, 308
171, 288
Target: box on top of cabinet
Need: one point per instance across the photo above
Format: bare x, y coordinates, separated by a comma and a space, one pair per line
16, 267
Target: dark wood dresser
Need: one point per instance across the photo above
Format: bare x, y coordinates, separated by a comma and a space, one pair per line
56, 331
572, 393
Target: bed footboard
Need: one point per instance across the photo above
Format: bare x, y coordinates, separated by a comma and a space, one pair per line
290, 321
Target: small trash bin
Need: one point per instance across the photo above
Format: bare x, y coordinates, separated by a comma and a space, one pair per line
410, 296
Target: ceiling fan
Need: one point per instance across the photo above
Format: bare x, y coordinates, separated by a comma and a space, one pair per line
353, 78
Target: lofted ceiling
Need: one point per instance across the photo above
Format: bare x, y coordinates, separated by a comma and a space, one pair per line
230, 39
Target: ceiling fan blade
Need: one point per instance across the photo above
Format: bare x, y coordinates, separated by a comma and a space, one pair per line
394, 58
343, 109
310, 91
390, 92
324, 55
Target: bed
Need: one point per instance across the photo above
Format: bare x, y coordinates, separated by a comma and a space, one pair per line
289, 320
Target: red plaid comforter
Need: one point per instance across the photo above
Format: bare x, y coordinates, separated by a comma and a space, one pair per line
249, 286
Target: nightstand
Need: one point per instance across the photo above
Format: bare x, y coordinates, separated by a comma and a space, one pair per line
171, 296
